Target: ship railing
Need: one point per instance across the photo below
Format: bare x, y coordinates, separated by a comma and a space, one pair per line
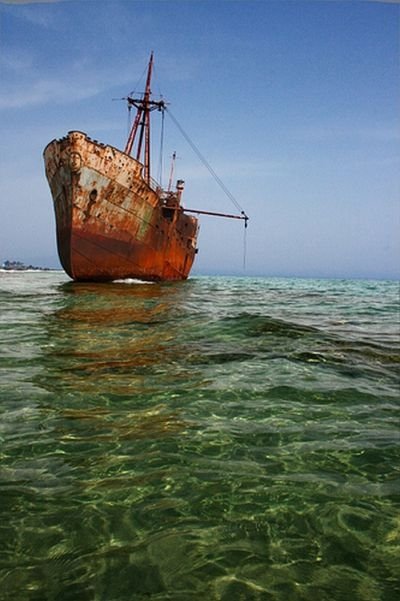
167, 196
154, 185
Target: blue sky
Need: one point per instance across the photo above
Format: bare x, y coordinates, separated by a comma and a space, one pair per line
294, 103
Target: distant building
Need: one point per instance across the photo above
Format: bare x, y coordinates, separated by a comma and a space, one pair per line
19, 266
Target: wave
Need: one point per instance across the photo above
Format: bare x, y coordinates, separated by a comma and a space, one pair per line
130, 281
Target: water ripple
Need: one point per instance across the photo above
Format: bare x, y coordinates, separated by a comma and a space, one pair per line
217, 439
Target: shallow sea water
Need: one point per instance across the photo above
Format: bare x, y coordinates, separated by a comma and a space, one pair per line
217, 439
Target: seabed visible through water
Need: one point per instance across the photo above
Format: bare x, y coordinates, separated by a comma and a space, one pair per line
215, 439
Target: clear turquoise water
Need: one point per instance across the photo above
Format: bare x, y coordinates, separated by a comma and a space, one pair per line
217, 439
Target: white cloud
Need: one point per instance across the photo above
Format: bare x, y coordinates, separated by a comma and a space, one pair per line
45, 91
28, 84
80, 82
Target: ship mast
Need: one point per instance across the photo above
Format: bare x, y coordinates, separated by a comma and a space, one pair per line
140, 131
141, 126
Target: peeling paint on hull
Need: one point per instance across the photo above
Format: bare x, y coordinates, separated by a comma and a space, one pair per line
110, 223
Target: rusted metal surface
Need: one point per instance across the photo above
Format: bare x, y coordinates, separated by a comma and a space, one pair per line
111, 223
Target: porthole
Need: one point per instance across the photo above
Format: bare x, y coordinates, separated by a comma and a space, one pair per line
93, 195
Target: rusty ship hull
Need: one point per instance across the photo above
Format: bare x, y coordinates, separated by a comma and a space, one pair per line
112, 223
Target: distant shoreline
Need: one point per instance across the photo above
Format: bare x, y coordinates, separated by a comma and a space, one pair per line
20, 266
29, 270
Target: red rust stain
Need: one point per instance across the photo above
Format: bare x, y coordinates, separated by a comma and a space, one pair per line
110, 223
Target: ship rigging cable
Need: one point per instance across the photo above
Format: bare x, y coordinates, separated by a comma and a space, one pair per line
208, 166
160, 163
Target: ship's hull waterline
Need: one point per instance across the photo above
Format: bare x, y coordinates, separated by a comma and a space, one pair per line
111, 224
